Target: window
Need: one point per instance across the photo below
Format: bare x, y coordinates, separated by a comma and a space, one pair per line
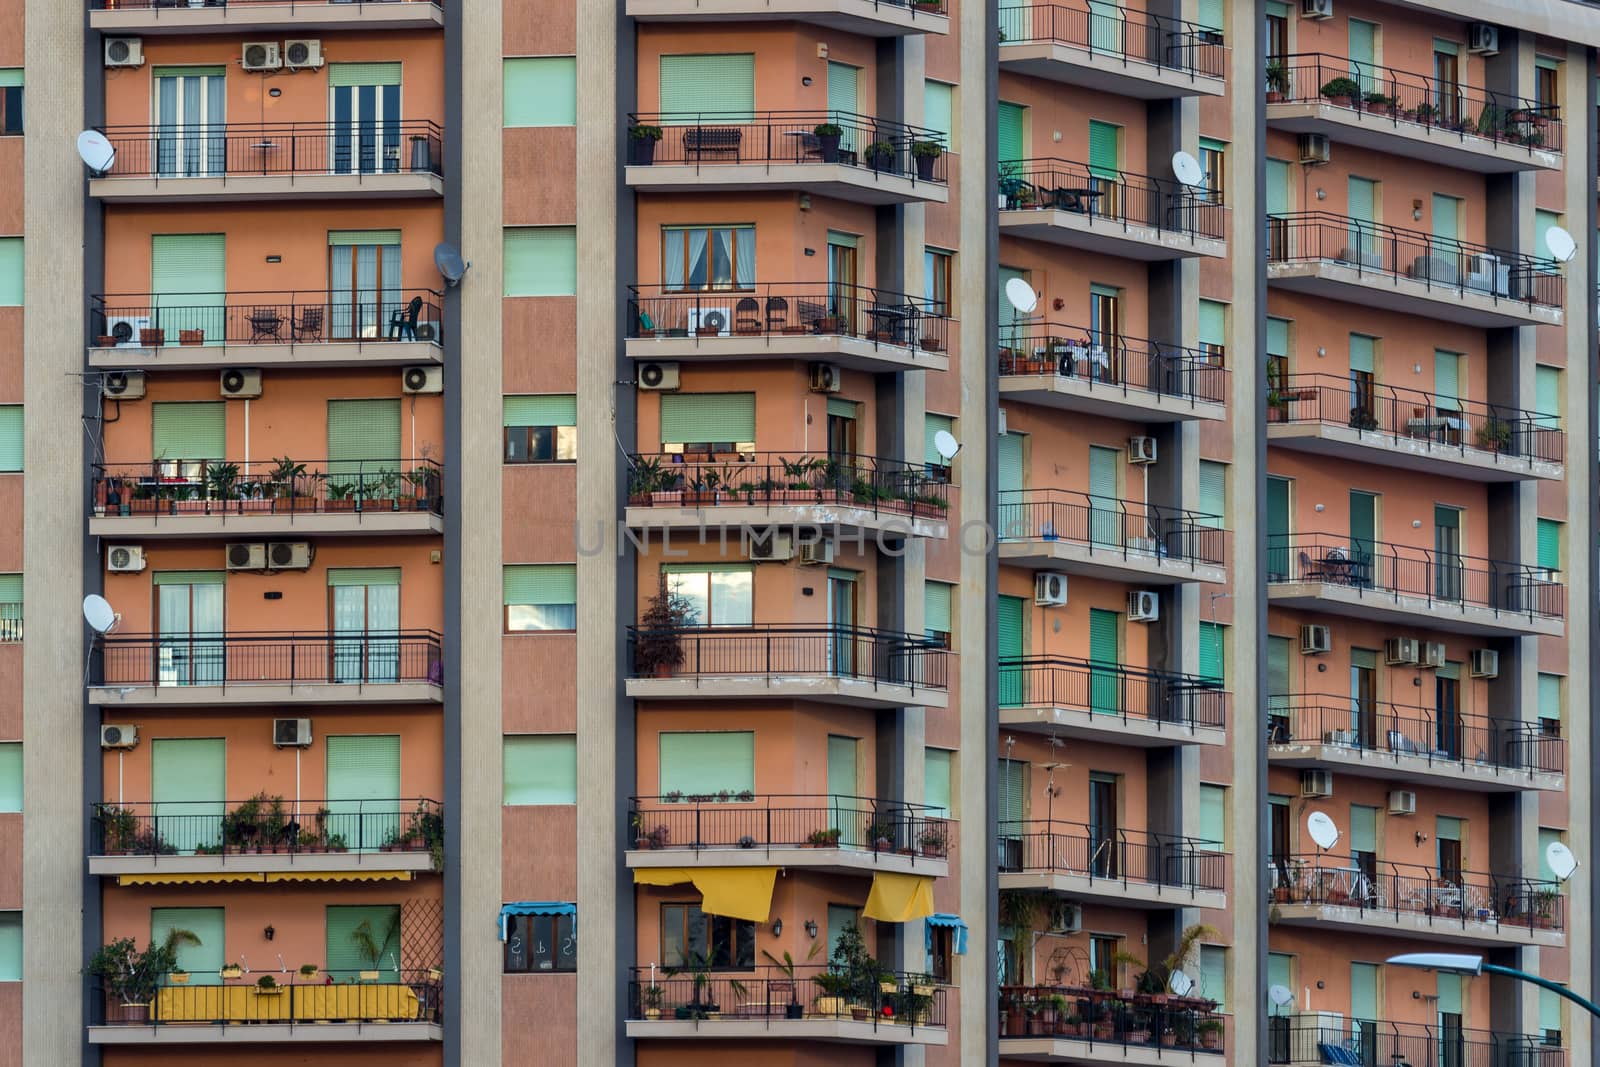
940, 957
1447, 380
352, 929
1547, 837
1214, 331
709, 422
702, 258
1213, 816
11, 101
936, 277
1550, 1017
1209, 16
1547, 396
1362, 377
10, 437
701, 762
1103, 949
938, 466
1214, 162
1213, 651
541, 261
1277, 14
540, 91
1546, 83
1549, 546
937, 598
936, 780
1214, 975
1213, 494
938, 109
540, 769
1550, 704
537, 943
1277, 354
540, 429
686, 932
10, 607
11, 271
718, 595
185, 436
540, 596
1011, 124
10, 946
696, 84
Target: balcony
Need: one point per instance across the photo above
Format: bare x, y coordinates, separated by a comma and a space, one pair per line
1079, 1024
855, 665
309, 328
1301, 1040
265, 669
1112, 49
1444, 123
1413, 586
866, 160
854, 326
1413, 430
1124, 868
1078, 369
1131, 215
1378, 266
835, 834
276, 498
1110, 702
11, 617
264, 840
869, 18
1103, 537
156, 17
766, 1003
1335, 893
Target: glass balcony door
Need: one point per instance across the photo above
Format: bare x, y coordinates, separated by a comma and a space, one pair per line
190, 118
366, 624
189, 621
364, 279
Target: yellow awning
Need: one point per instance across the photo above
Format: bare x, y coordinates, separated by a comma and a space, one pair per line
737, 892
340, 876
899, 898
203, 878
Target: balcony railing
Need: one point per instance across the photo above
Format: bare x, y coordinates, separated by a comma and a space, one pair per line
773, 479
1439, 263
1405, 100
1125, 529
10, 622
349, 998
1053, 846
151, 320
1112, 690
223, 659
1438, 736
1118, 31
711, 138
187, 488
1447, 899
143, 5
750, 820
1418, 418
771, 994
258, 149
1080, 1013
1311, 1039
1406, 570
1131, 199
760, 310
1054, 350
857, 653
269, 825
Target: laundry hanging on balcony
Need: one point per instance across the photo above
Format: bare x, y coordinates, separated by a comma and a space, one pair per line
737, 892
533, 907
958, 932
899, 898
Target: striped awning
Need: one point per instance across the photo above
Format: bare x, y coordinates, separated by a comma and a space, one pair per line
196, 878
340, 876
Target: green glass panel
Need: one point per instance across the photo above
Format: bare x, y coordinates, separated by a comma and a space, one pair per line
348, 74
354, 931
540, 583
540, 261
540, 769
708, 417
720, 87
1011, 637
708, 762
540, 91
11, 776
10, 437
204, 961
550, 410
1549, 538
1105, 150
1105, 643
1010, 124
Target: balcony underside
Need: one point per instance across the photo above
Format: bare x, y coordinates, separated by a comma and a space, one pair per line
857, 353
1450, 774
1108, 562
1414, 140
286, 17
1415, 925
841, 181
360, 352
261, 187
1403, 609
858, 692
1338, 280
306, 1033
846, 1031
300, 694
869, 18
372, 861
1114, 891
262, 524
1107, 235
1090, 397
1408, 453
1105, 72
891, 525
1085, 1051
855, 861
1104, 726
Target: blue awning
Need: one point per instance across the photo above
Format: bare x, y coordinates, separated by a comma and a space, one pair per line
534, 907
958, 937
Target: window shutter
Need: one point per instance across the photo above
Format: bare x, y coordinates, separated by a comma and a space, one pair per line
1543, 222
1279, 650
1449, 994
931, 425
1364, 991
363, 767
935, 606
842, 754
191, 264
843, 87
1549, 544
347, 576
550, 410
1363, 53
1214, 974
362, 434
1363, 828
1103, 466
202, 961
10, 77
708, 762
1278, 9
189, 578
708, 417
1209, 14
1280, 971
938, 108
1547, 837
541, 261
1104, 155
936, 780
10, 436
1011, 476
1009, 131
11, 271
1363, 194
540, 91
722, 88
541, 769
1013, 791
11, 776
1277, 187
540, 583
345, 958
189, 431
1213, 494
189, 771
1550, 696
1103, 636
1212, 651
341, 75
10, 946
1011, 620
1447, 828
351, 238
1361, 352
1547, 394
842, 409
1213, 816
1549, 1005
1277, 337
1447, 379
10, 588
1213, 322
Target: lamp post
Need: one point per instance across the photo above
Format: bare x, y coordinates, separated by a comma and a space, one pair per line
1453, 963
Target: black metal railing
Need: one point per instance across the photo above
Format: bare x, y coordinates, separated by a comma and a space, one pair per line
1404, 100
1378, 567
186, 488
1110, 29
1419, 419
1103, 1017
348, 998
759, 821
1111, 854
774, 479
1329, 1038
10, 621
1114, 196
860, 653
1119, 364
153, 320
1452, 899
1379, 250
711, 138
888, 1000
767, 310
224, 659
1125, 529
245, 149
1112, 690
264, 825
1436, 735
144, 5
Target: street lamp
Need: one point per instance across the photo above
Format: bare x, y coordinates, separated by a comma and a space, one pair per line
1453, 963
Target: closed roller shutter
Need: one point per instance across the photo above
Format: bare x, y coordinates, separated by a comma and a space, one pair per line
720, 87
708, 417
189, 431
363, 436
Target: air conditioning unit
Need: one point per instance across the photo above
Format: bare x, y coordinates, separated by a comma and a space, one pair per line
774, 548
1432, 654
118, 735
302, 55
422, 380
825, 378
1315, 639
1316, 782
1067, 919
1143, 605
1000, 423
122, 384
1314, 147
247, 556
817, 552
1483, 39
1400, 651
261, 55
241, 383
291, 733
124, 52
709, 322
1316, 9
289, 555
1484, 663
1050, 589
1141, 450
1402, 802
662, 377
122, 558
124, 329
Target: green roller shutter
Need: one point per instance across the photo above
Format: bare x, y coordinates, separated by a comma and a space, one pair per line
1449, 994
348, 926
1213, 323
1363, 828
363, 436
1547, 837
1213, 650
1213, 816
1214, 975
10, 77
707, 417
1277, 337
1105, 516
10, 588
1364, 991
11, 271
708, 762
1363, 523
354, 238
1280, 971
1547, 395
1361, 353
540, 261
190, 431
1104, 649
1550, 697
347, 74
1363, 194
1549, 1012
204, 961
1009, 319
1011, 638
935, 606
1277, 528
343, 576
936, 780
188, 782
931, 425
540, 410
540, 769
1446, 222
938, 108
1209, 14
1279, 655
190, 71
1213, 494
10, 946
1549, 531
189, 283
1013, 805
842, 753
1543, 223
1364, 54
540, 583
842, 409
1105, 154
1011, 470
1447, 379
10, 437
1010, 124
843, 83
363, 788
1447, 828
189, 578
721, 87
11, 776
540, 91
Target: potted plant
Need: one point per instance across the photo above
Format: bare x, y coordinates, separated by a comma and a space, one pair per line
423, 485
932, 841
650, 995
699, 968
231, 971
1494, 435
828, 135
794, 1009
118, 828
131, 977
1210, 1033
831, 1001
1342, 91
1377, 102
267, 986
373, 943
149, 338
1277, 81
1427, 114
308, 970
880, 155
926, 154
222, 480
342, 496
658, 644
881, 834
828, 838
642, 144
1363, 418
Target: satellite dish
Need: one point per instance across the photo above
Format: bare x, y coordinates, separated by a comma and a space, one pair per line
945, 443
1322, 829
1280, 995
448, 259
1021, 296
1561, 860
1188, 169
98, 614
1561, 244
1179, 984
95, 151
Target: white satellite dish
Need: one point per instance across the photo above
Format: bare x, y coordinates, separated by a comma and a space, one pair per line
1280, 995
945, 443
1188, 169
448, 259
1021, 295
98, 614
1561, 860
95, 151
1179, 984
1561, 244
1322, 829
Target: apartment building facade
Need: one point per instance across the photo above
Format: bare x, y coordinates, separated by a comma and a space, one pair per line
1014, 533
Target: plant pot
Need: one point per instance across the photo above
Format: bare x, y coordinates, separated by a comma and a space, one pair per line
191, 337
670, 499
232, 970
178, 978
641, 152
103, 341
369, 976
794, 1011
925, 165
932, 344
828, 146
1210, 1039
860, 1013
152, 338
129, 1013
1377, 109
832, 1007
652, 1013
1274, 97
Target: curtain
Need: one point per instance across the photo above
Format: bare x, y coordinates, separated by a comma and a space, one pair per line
673, 259
722, 259
343, 298
697, 259
167, 109
746, 257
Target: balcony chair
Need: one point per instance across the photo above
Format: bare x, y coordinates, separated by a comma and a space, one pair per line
309, 325
1338, 1054
718, 141
265, 324
403, 324
778, 316
747, 316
